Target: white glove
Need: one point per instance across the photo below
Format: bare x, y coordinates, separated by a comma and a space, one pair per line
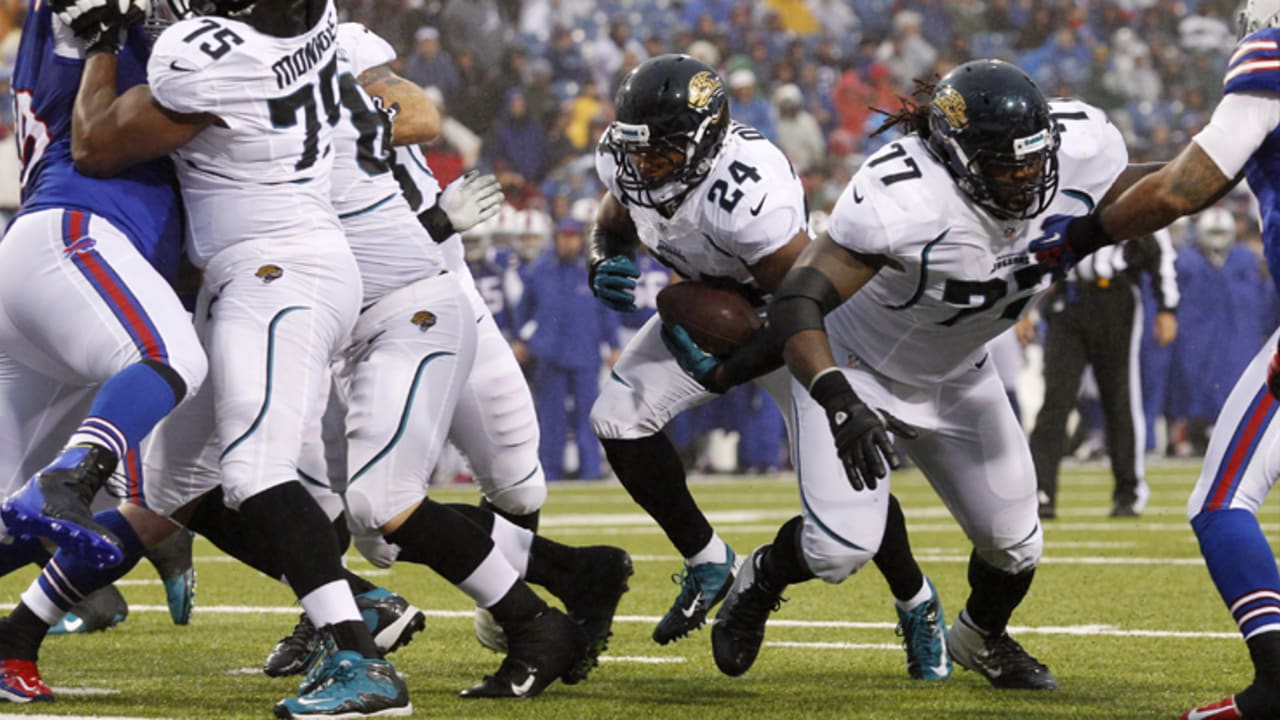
101, 22
470, 200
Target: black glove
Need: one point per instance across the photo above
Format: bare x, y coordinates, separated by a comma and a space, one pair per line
100, 24
861, 433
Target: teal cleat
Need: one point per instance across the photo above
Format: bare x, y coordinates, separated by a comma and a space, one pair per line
701, 587
99, 610
923, 630
347, 685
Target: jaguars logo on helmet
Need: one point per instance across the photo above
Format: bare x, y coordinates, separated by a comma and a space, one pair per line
269, 273
950, 103
1003, 153
424, 319
702, 88
672, 116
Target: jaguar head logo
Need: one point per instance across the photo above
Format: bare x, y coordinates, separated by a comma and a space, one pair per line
424, 319
702, 88
269, 273
950, 103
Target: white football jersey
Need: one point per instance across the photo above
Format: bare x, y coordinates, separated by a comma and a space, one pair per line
263, 169
366, 49
954, 276
749, 206
391, 247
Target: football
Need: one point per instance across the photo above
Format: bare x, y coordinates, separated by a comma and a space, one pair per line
719, 319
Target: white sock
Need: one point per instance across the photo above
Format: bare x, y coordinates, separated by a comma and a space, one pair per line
491, 580
331, 603
715, 551
514, 541
922, 596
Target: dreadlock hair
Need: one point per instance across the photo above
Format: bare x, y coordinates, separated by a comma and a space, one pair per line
913, 111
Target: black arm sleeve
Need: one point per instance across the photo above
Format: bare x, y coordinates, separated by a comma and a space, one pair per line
803, 298
1085, 234
762, 354
601, 246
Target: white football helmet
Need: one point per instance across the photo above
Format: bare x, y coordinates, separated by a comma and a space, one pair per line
1258, 14
1215, 229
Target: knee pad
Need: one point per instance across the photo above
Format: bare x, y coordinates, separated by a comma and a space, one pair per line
620, 414
829, 559
522, 498
375, 548
1018, 558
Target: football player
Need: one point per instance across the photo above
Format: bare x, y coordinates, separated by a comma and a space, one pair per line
88, 324
245, 95
712, 200
925, 260
1240, 464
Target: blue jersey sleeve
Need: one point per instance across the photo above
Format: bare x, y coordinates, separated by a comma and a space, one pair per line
1255, 64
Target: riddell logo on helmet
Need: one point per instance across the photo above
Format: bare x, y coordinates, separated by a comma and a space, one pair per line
702, 88
951, 104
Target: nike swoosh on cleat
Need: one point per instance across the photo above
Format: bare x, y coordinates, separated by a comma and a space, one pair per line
74, 625
693, 607
1199, 714
26, 686
523, 688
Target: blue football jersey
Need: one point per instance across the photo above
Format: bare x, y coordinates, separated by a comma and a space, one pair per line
1255, 67
143, 200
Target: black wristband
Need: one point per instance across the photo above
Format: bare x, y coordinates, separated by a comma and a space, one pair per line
833, 391
437, 223
1085, 234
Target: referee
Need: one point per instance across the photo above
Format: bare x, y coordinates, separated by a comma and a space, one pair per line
1094, 317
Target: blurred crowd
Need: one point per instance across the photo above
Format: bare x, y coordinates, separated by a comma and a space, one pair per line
527, 89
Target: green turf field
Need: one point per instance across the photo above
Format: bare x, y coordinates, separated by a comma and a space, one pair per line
1122, 610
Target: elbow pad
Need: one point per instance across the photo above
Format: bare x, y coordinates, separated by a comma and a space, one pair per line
805, 296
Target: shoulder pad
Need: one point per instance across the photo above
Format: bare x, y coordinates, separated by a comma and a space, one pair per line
1255, 63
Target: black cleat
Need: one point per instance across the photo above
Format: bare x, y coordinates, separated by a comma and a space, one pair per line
55, 505
598, 587
541, 650
100, 610
295, 652
390, 618
172, 560
998, 658
738, 631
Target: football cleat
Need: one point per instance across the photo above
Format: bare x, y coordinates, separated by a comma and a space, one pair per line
20, 682
295, 652
390, 618
600, 583
998, 658
348, 686
738, 631
489, 632
1224, 709
923, 630
55, 505
101, 609
701, 587
172, 560
541, 650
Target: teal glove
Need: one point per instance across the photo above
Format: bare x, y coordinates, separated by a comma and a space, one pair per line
693, 360
613, 280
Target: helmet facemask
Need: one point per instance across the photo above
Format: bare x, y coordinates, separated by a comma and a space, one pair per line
659, 172
1258, 14
1016, 185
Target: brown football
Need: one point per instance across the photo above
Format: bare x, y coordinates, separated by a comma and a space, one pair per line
719, 319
